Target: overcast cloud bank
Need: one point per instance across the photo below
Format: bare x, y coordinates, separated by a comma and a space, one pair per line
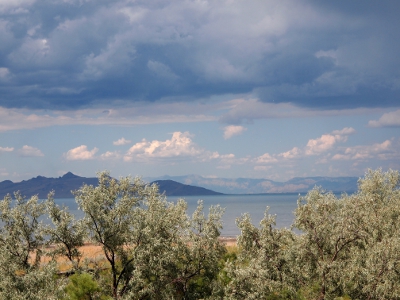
74, 54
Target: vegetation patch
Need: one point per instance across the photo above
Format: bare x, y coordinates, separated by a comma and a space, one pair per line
143, 247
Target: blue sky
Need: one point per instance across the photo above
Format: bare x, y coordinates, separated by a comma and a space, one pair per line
261, 89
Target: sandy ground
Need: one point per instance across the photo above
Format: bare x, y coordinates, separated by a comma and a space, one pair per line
228, 241
95, 253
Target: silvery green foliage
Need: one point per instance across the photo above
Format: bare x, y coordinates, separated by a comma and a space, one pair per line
21, 232
178, 257
375, 268
66, 234
346, 246
154, 250
109, 218
32, 284
22, 239
329, 231
264, 265
351, 245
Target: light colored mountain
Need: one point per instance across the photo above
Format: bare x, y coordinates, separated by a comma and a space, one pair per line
257, 186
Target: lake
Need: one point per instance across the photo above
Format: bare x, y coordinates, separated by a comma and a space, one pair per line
282, 205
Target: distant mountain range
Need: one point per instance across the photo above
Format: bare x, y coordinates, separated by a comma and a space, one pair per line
190, 185
64, 185
42, 186
260, 186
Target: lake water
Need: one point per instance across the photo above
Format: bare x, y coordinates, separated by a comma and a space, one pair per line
282, 205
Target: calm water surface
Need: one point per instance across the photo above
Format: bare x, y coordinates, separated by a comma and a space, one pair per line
282, 205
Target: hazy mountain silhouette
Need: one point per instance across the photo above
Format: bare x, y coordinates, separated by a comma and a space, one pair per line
63, 186
173, 188
41, 186
259, 186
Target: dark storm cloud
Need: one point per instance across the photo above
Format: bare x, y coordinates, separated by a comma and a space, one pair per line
69, 54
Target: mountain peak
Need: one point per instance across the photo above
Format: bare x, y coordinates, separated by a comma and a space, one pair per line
69, 175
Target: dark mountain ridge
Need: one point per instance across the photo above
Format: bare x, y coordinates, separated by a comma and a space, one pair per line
41, 186
63, 186
173, 188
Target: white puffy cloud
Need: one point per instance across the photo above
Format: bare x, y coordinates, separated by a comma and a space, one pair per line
383, 151
327, 141
266, 159
316, 146
81, 153
294, 153
122, 141
232, 130
6, 149
391, 119
313, 147
109, 155
322, 144
180, 145
29, 151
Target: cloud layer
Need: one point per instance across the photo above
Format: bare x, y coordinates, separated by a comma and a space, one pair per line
75, 54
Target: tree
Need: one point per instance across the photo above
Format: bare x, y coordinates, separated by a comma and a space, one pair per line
346, 247
350, 245
329, 231
153, 249
66, 234
109, 218
179, 256
375, 268
264, 268
21, 248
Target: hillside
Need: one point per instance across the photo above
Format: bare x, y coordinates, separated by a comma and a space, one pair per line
64, 185
173, 188
41, 186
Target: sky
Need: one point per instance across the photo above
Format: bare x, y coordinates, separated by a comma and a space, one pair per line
223, 88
